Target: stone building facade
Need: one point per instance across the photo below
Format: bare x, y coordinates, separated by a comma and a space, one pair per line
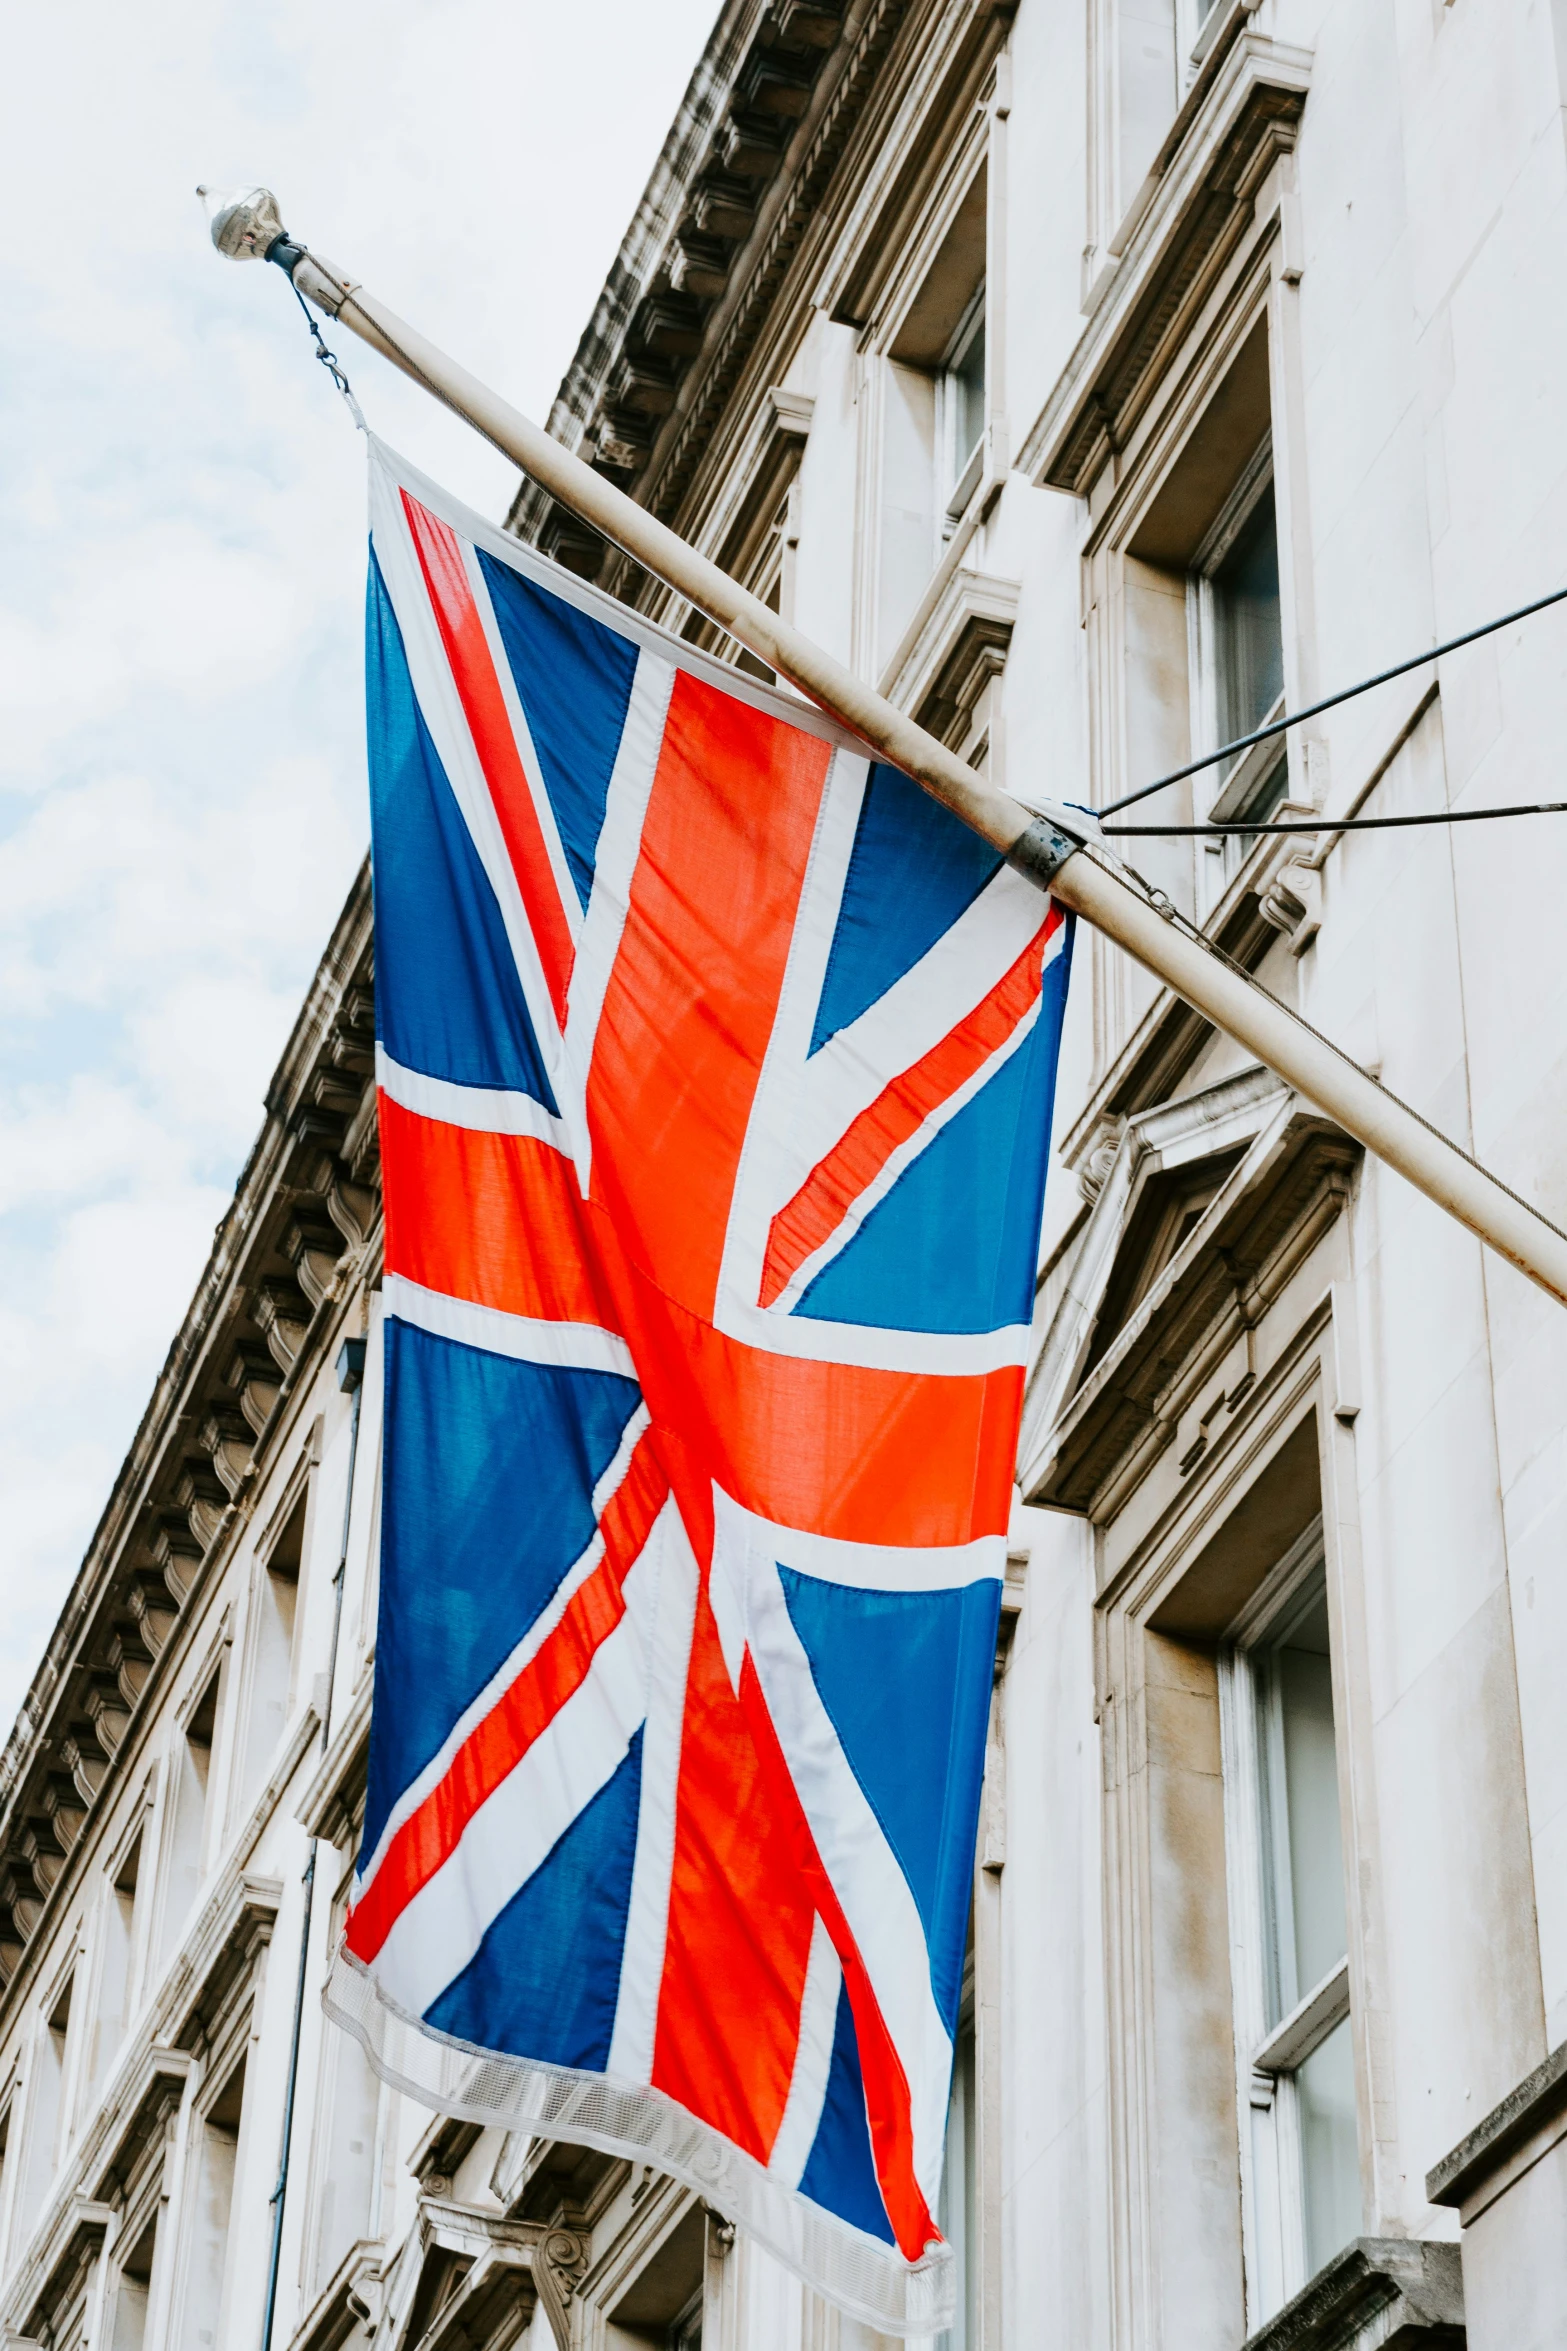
1097, 378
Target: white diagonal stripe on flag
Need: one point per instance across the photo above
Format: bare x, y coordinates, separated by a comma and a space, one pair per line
567, 1346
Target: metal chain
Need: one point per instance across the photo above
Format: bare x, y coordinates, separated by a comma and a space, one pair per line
330, 361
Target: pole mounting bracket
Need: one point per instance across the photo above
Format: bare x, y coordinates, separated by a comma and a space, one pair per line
1056, 833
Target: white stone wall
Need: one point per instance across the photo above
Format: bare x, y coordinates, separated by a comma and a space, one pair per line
1408, 251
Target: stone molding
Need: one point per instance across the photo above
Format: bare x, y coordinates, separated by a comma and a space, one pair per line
744, 166
675, 436
350, 2299
136, 2110
763, 472
234, 1928
498, 2281
1168, 1038
560, 2266
332, 1802
1380, 2292
55, 2269
961, 647
1186, 223
285, 1262
1117, 1158
1082, 1450
1529, 2121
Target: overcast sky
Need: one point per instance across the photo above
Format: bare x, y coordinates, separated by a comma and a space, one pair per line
182, 799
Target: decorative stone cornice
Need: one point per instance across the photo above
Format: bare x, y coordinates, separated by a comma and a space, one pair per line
146, 2091
961, 647
499, 2283
741, 186
1529, 2121
303, 1224
1378, 2293
55, 2269
233, 1929
1192, 213
333, 1798
1083, 1447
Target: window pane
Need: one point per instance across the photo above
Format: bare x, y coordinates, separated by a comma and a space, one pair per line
1316, 1862
1250, 639
968, 389
959, 2185
1325, 2088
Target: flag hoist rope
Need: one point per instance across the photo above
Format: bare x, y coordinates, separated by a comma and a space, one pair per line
1056, 849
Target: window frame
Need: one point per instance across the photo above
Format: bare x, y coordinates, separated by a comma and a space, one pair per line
1258, 780
960, 2227
1196, 25
1270, 2054
960, 471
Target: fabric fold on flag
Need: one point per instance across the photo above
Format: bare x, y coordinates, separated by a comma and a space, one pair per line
715, 1067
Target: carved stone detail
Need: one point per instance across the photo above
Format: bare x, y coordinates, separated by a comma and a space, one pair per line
1291, 901
154, 1610
86, 1767
283, 1319
559, 2265
130, 1661
254, 1373
198, 1493
1101, 1157
109, 1717
313, 1247
228, 1438
175, 1555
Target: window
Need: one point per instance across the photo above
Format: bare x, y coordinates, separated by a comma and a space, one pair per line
133, 2291
1236, 639
216, 2150
1189, 631
771, 580
955, 2207
344, 2143
1249, 649
934, 395
662, 2309
117, 1931
274, 1608
58, 2043
190, 1771
1292, 1991
46, 2116
961, 442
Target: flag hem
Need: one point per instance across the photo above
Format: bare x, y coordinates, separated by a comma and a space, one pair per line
868, 2281
650, 636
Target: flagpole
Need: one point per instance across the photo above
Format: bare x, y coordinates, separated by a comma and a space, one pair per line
1057, 849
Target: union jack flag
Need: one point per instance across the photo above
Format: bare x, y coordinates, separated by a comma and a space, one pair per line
715, 1066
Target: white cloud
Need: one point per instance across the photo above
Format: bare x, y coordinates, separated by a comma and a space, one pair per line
181, 582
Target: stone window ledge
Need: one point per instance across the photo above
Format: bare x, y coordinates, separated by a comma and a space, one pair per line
1514, 2135
1380, 2292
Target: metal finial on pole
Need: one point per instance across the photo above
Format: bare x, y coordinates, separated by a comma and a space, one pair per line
1055, 846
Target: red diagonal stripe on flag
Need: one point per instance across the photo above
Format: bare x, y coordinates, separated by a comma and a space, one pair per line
888, 2108
489, 722
496, 1219
689, 1009
494, 1747
899, 1110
